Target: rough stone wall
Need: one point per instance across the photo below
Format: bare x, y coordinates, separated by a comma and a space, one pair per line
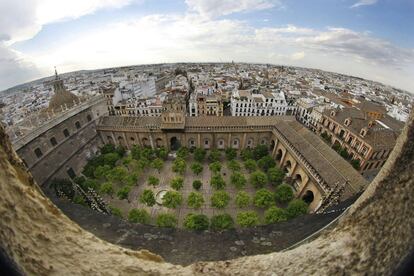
373, 238
70, 152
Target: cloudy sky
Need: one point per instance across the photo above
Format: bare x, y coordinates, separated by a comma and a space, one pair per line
373, 39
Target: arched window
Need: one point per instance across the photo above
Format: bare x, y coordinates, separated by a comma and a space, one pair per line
38, 153
53, 141
89, 118
78, 125
66, 132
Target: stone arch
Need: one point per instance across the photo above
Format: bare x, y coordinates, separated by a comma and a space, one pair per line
174, 143
191, 143
298, 181
308, 197
263, 141
121, 141
287, 167
279, 155
158, 142
145, 142
206, 143
250, 143
221, 144
235, 144
272, 145
110, 139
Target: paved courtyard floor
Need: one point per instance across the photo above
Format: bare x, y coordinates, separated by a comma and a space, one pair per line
165, 176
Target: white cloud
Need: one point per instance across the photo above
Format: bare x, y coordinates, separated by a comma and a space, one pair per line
160, 38
191, 37
15, 68
364, 3
298, 55
216, 8
23, 20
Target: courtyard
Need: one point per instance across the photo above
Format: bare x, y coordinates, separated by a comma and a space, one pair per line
194, 189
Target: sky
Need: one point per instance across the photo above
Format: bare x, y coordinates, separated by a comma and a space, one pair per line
373, 39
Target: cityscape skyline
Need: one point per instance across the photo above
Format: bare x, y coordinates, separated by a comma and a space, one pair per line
332, 36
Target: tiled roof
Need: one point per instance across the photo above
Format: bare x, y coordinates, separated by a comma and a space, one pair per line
326, 162
330, 166
377, 136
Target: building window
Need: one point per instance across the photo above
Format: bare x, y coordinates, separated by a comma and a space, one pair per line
71, 173
89, 118
78, 125
38, 153
53, 141
66, 133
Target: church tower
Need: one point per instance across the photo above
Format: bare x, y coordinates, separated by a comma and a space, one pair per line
62, 99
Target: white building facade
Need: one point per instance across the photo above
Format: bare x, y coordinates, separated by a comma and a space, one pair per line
246, 103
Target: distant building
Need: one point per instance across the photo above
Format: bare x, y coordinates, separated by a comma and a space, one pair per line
202, 105
364, 135
246, 103
62, 99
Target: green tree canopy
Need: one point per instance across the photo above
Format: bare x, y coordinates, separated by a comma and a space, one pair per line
196, 222
115, 211
123, 193
199, 154
214, 155
172, 199
179, 166
247, 219
139, 216
153, 181
221, 222
177, 183
157, 164
215, 167
167, 220
117, 174
258, 179
238, 180
182, 153
247, 154
107, 188
162, 153
231, 153
107, 148
250, 165
217, 182
263, 198
197, 184
110, 159
283, 193
90, 184
147, 197
260, 151
233, 165
195, 200
275, 214
296, 208
242, 199
197, 168
266, 162
276, 176
220, 199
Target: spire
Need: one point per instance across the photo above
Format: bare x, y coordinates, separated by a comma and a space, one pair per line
56, 74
